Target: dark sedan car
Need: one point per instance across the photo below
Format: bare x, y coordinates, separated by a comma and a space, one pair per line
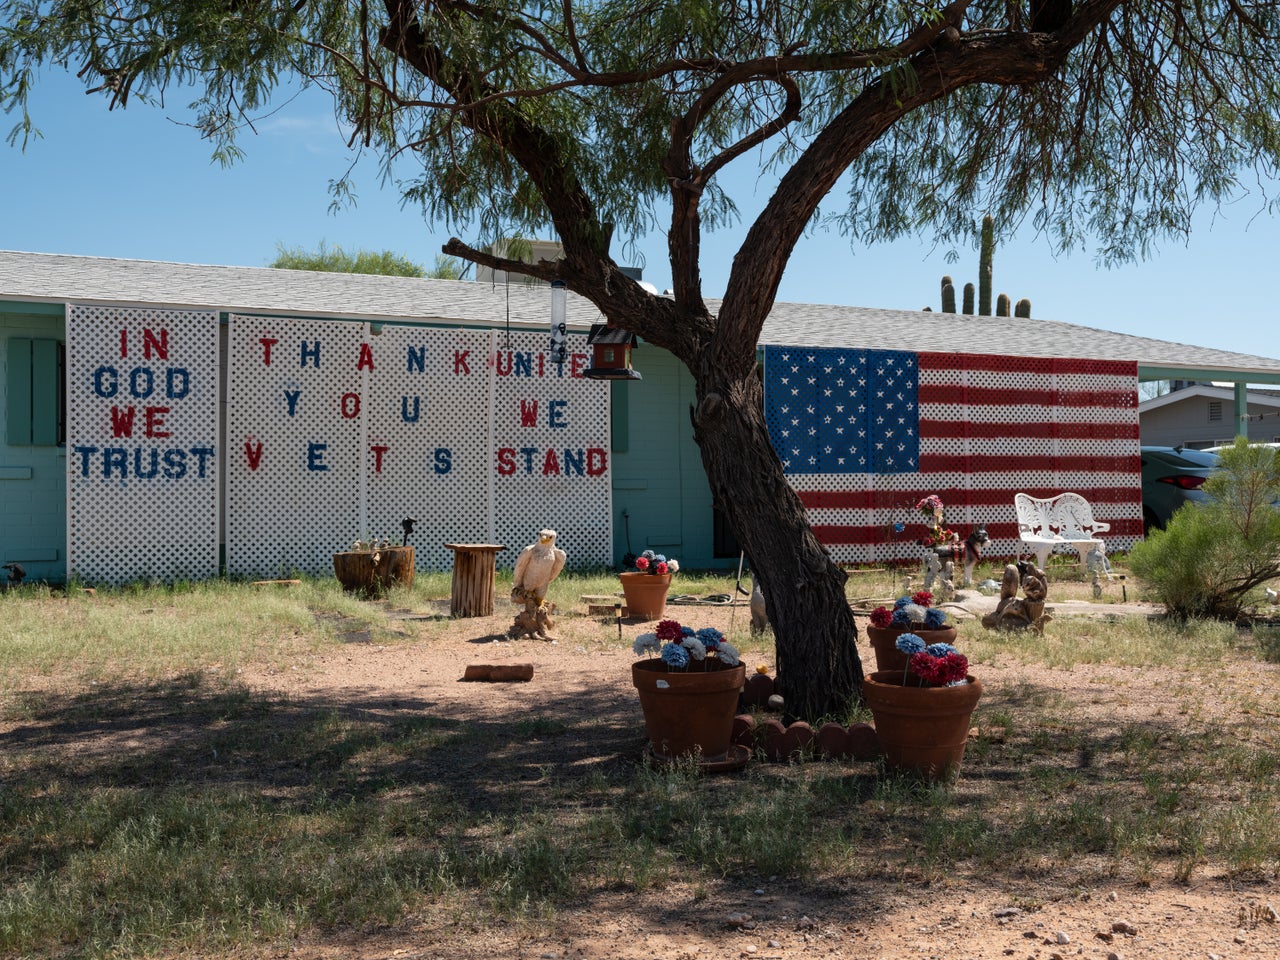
1172, 476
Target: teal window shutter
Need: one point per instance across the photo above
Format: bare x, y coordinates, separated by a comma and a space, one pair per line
34, 396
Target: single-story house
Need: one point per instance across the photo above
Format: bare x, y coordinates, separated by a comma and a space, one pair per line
1204, 415
168, 420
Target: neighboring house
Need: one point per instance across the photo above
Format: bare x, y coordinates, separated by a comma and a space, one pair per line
175, 420
1203, 415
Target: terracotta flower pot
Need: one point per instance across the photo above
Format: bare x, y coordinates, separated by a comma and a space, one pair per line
921, 729
357, 571
689, 712
888, 656
646, 594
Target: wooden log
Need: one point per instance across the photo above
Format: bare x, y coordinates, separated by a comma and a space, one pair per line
499, 672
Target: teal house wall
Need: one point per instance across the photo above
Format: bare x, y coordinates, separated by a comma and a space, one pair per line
661, 498
33, 464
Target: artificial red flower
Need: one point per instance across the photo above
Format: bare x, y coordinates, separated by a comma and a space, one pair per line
642, 563
661, 567
922, 599
881, 617
669, 630
940, 671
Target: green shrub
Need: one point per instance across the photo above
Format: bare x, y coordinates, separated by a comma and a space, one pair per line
1213, 559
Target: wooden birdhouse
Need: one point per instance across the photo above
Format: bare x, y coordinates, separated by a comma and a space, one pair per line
610, 353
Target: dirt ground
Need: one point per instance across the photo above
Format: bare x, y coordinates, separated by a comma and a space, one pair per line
972, 917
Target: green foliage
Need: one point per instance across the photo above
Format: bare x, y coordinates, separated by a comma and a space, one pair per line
1214, 558
337, 260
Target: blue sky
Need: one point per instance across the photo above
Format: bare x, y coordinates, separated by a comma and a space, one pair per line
136, 183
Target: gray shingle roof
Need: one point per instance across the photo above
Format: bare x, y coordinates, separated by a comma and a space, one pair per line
57, 278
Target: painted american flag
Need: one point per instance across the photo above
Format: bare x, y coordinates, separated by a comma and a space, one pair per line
863, 435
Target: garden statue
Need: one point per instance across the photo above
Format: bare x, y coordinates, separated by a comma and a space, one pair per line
932, 568
1099, 567
538, 564
759, 616
946, 583
973, 545
1019, 613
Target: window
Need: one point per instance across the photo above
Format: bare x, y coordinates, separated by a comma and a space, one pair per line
37, 414
1215, 410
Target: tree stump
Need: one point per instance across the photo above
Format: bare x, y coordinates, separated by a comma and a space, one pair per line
471, 594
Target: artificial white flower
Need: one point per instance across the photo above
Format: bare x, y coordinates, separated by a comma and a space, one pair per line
728, 654
695, 647
914, 612
673, 566
646, 643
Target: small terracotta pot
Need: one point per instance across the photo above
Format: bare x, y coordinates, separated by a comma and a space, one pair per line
646, 594
889, 657
921, 729
689, 712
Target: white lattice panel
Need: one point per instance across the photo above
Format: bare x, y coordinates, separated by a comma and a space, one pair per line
551, 460
410, 422
988, 428
428, 421
294, 478
143, 455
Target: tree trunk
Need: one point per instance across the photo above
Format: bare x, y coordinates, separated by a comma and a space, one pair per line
818, 669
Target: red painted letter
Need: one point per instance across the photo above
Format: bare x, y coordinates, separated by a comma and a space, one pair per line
366, 358
350, 408
253, 454
377, 457
161, 346
122, 422
528, 413
550, 464
506, 461
155, 422
460, 364
267, 344
597, 461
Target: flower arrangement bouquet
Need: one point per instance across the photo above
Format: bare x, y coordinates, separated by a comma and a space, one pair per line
650, 562
934, 664
931, 507
914, 611
682, 647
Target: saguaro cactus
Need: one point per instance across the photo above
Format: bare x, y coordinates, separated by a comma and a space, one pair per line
985, 255
968, 299
948, 296
1023, 309
1002, 305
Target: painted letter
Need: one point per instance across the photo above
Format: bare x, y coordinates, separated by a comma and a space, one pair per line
378, 451
550, 465
106, 382
528, 458
528, 413
150, 343
152, 469
349, 406
253, 454
115, 458
315, 456
597, 461
201, 454
506, 461
175, 464
573, 461
85, 454
122, 422
460, 364
155, 422
312, 351
142, 382
267, 344
416, 358
555, 413
366, 358
404, 410
291, 397
444, 460
177, 383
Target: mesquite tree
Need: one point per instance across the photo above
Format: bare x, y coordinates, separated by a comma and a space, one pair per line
611, 118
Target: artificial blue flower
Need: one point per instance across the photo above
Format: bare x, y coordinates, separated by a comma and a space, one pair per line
687, 632
648, 554
900, 618
934, 619
710, 637
901, 602
675, 656
909, 643
659, 558
940, 649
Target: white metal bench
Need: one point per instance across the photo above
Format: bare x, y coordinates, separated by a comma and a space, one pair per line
1066, 519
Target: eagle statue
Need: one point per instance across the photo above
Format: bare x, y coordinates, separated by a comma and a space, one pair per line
538, 564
